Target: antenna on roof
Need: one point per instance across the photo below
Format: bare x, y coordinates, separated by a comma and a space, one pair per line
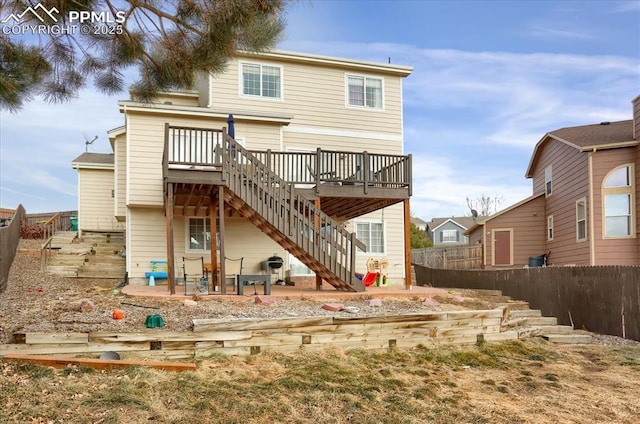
87, 142
474, 213
389, 59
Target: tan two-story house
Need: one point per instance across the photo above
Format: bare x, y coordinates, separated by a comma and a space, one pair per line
283, 154
584, 207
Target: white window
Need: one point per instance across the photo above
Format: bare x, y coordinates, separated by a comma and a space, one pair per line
550, 227
547, 180
261, 80
364, 91
618, 201
372, 235
199, 235
449, 236
581, 220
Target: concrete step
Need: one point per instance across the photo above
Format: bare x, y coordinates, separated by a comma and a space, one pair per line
569, 338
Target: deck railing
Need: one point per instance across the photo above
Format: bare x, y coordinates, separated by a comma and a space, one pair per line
201, 148
325, 244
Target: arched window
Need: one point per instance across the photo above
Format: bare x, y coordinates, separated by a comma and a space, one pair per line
617, 190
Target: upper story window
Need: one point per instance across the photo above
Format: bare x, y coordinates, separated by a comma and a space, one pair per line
449, 236
618, 200
547, 180
581, 220
261, 80
372, 235
364, 92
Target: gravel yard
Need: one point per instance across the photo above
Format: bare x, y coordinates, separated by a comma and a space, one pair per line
37, 302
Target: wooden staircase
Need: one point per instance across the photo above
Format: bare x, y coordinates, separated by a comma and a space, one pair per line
287, 217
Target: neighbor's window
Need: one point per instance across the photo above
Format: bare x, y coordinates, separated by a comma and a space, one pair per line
550, 227
581, 220
364, 91
449, 236
199, 235
618, 198
372, 235
261, 80
547, 180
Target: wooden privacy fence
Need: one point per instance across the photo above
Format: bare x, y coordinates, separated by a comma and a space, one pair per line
602, 299
458, 257
61, 223
9, 239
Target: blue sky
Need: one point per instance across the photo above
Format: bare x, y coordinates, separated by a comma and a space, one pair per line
490, 79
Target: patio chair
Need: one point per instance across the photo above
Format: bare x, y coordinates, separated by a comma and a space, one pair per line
232, 268
194, 275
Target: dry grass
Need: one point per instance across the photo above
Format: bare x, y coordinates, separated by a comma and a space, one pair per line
512, 382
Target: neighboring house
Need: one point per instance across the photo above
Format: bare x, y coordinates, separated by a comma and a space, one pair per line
585, 202
96, 193
449, 231
315, 154
419, 223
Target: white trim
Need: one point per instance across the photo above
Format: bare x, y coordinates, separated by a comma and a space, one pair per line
241, 93
548, 181
582, 200
363, 107
342, 133
187, 234
202, 112
91, 165
282, 55
450, 220
624, 190
127, 182
592, 239
550, 227
384, 235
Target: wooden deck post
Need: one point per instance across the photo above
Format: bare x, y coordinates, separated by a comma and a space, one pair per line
168, 214
317, 241
223, 281
214, 240
407, 245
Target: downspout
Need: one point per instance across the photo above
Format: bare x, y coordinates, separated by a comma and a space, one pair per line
592, 239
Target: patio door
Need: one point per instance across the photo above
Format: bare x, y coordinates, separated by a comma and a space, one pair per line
502, 252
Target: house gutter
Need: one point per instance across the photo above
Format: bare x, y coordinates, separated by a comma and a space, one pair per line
592, 239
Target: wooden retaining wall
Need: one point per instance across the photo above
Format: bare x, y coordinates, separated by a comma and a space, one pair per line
285, 335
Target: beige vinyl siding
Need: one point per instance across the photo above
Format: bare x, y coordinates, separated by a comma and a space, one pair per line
609, 251
570, 182
328, 142
95, 208
146, 240
528, 223
315, 96
393, 217
120, 187
145, 137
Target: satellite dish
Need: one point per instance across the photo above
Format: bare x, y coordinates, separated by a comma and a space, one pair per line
474, 213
